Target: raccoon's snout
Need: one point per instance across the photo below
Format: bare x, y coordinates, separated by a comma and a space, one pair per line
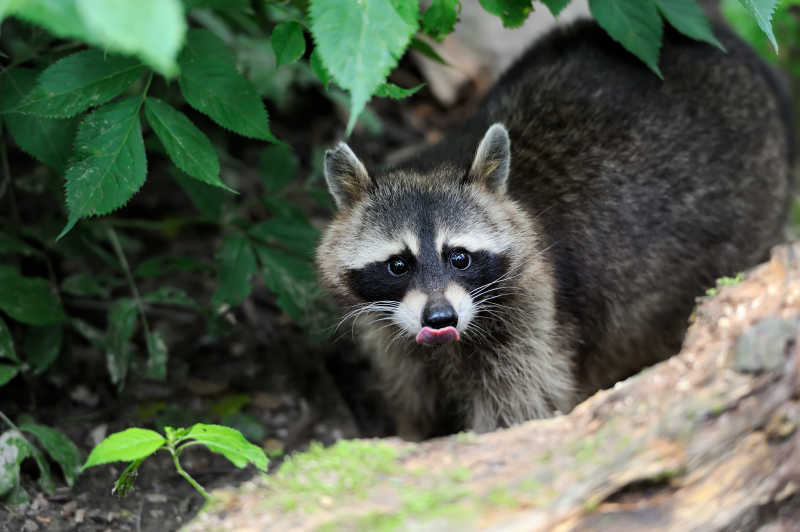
439, 315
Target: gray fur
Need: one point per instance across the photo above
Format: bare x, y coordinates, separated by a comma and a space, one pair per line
626, 198
345, 174
492, 159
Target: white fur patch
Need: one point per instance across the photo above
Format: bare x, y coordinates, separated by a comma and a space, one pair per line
477, 239
412, 242
409, 312
378, 250
462, 303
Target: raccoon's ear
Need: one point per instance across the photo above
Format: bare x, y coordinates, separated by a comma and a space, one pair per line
346, 176
492, 159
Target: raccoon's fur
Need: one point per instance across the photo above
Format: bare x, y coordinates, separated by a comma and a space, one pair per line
590, 202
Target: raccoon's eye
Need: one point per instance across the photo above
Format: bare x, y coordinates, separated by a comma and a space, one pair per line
460, 259
397, 266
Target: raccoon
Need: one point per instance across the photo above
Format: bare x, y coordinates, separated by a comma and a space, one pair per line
555, 244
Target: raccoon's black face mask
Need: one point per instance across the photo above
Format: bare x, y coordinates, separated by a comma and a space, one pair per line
430, 254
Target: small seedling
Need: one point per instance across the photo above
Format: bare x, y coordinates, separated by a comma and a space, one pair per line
725, 281
134, 445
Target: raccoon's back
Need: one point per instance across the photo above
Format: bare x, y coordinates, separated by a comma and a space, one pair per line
646, 190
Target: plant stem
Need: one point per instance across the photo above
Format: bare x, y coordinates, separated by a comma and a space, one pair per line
8, 421
6, 183
112, 237
186, 475
146, 88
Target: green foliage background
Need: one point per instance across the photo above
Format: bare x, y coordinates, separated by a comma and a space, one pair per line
95, 90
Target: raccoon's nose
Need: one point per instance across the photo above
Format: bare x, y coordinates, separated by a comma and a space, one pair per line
439, 315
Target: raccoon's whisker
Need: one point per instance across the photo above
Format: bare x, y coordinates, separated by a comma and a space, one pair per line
476, 332
495, 308
362, 308
500, 295
492, 297
399, 334
488, 289
492, 284
500, 279
499, 292
499, 310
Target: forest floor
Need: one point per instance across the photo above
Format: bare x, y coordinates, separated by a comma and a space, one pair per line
264, 377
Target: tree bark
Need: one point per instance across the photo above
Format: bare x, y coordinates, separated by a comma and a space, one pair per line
706, 440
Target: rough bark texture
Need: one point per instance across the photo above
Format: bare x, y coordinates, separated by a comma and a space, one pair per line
707, 440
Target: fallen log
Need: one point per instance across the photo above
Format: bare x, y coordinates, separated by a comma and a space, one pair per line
706, 440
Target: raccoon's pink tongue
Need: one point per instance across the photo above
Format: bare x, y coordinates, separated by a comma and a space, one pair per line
428, 336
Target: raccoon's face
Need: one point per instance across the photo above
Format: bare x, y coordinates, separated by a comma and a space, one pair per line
425, 254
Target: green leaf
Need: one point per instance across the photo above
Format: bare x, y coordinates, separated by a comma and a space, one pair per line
293, 234
211, 84
7, 343
28, 299
359, 59
187, 146
206, 198
556, 6
390, 90
164, 264
7, 372
13, 450
151, 29
635, 24
113, 166
79, 81
512, 12
278, 165
221, 5
85, 285
236, 263
156, 356
42, 346
125, 446
290, 278
319, 68
169, 295
288, 42
92, 334
762, 11
47, 139
688, 18
427, 50
250, 427
15, 83
13, 245
440, 18
45, 478
230, 443
230, 404
59, 447
121, 326
60, 17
